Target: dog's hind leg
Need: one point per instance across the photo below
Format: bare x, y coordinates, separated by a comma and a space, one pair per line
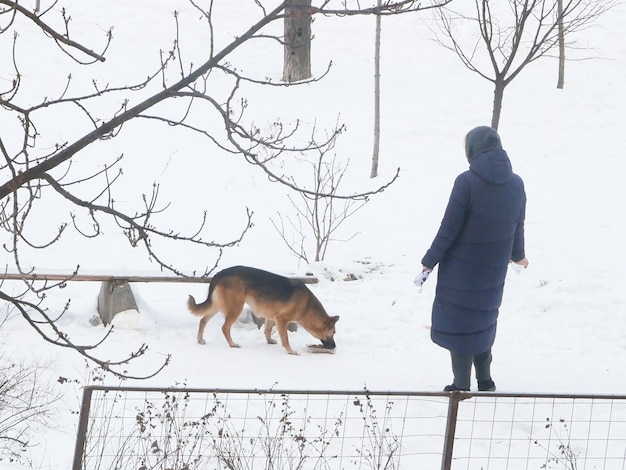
203, 322
201, 327
230, 317
207, 310
269, 324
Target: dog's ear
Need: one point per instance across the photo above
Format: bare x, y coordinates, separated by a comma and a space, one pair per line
335, 318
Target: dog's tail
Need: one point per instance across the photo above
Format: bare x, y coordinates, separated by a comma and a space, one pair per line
203, 308
198, 309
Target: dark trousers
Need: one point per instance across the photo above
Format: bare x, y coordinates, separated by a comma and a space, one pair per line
462, 368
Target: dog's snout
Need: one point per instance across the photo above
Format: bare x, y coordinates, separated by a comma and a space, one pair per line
328, 343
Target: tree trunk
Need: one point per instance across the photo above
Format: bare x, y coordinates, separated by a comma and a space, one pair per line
376, 150
561, 79
498, 95
297, 49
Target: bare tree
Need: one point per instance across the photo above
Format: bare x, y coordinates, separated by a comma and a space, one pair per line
561, 76
318, 216
297, 62
376, 147
297, 28
513, 34
36, 168
382, 8
26, 401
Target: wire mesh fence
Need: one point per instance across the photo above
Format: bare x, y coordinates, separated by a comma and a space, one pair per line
141, 428
541, 432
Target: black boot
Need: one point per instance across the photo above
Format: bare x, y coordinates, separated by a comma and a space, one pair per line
486, 386
454, 388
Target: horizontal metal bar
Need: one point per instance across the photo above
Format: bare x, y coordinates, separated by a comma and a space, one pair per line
458, 395
124, 277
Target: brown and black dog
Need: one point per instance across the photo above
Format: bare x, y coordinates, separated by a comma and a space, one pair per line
278, 299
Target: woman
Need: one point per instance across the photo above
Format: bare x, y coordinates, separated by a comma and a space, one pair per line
482, 231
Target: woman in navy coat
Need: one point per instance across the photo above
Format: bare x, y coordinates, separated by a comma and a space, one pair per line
482, 231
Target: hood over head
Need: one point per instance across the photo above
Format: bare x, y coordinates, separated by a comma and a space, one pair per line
479, 139
486, 156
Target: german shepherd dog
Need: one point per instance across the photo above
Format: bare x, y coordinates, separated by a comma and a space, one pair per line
278, 299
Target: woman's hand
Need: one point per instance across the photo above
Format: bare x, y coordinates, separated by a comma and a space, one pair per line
523, 262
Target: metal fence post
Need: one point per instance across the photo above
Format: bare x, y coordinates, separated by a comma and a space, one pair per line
448, 445
81, 434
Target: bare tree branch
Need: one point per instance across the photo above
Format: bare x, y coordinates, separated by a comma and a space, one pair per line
386, 8
512, 39
36, 166
59, 338
62, 39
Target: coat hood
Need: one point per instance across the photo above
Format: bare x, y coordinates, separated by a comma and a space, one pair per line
486, 156
493, 166
479, 139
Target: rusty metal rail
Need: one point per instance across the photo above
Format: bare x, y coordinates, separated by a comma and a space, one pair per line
121, 277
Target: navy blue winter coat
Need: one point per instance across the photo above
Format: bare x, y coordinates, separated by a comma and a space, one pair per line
481, 232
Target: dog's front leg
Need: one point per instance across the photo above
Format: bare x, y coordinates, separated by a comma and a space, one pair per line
281, 326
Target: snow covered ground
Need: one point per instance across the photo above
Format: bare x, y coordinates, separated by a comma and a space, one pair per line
562, 324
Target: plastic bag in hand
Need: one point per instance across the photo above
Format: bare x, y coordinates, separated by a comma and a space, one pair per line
421, 278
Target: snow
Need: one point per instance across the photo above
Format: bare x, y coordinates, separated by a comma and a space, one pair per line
562, 325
